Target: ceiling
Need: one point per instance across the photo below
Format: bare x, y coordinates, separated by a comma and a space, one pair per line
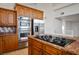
54, 6
41, 6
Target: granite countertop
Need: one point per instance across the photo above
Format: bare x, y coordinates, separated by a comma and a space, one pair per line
72, 48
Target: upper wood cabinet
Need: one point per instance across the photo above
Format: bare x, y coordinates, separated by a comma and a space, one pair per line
22, 11
37, 14
30, 12
7, 17
3, 17
12, 18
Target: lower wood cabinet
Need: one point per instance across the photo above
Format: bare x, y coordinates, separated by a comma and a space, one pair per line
36, 51
8, 43
52, 50
0, 44
37, 47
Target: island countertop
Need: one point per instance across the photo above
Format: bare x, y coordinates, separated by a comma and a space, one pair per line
72, 48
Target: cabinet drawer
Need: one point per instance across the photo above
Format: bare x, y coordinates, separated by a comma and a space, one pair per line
37, 44
53, 50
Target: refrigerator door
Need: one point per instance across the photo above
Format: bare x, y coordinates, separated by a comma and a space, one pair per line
41, 27
38, 26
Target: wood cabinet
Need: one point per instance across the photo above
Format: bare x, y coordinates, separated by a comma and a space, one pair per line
3, 17
28, 11
12, 16
22, 10
10, 43
1, 44
30, 46
37, 14
52, 50
7, 17
36, 47
36, 51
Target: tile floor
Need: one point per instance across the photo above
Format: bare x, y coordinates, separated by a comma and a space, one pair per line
18, 52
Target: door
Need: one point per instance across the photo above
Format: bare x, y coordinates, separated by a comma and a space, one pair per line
0, 45
10, 43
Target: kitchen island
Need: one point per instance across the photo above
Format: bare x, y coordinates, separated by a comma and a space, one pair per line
41, 47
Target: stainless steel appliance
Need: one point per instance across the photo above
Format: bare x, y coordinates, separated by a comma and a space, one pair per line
27, 26
37, 27
23, 30
55, 40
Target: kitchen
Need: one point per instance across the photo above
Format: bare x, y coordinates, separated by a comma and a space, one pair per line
38, 29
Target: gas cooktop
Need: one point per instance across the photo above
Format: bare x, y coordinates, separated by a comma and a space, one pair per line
55, 40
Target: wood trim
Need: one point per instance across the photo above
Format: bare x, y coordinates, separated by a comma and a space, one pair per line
7, 9
17, 4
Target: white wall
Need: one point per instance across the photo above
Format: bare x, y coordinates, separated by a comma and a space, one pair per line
72, 28
7, 5
52, 25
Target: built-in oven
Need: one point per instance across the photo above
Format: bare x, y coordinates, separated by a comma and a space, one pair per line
23, 30
24, 35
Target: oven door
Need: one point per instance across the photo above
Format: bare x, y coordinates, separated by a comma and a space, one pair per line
24, 35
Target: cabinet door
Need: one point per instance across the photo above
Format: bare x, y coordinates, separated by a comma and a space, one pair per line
52, 50
3, 17
12, 18
0, 44
36, 51
40, 15
27, 11
0, 18
10, 43
29, 46
33, 13
19, 10
37, 44
37, 14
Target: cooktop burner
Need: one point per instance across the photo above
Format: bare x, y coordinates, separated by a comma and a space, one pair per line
55, 40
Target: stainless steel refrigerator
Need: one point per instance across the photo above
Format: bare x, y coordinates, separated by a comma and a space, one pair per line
37, 27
